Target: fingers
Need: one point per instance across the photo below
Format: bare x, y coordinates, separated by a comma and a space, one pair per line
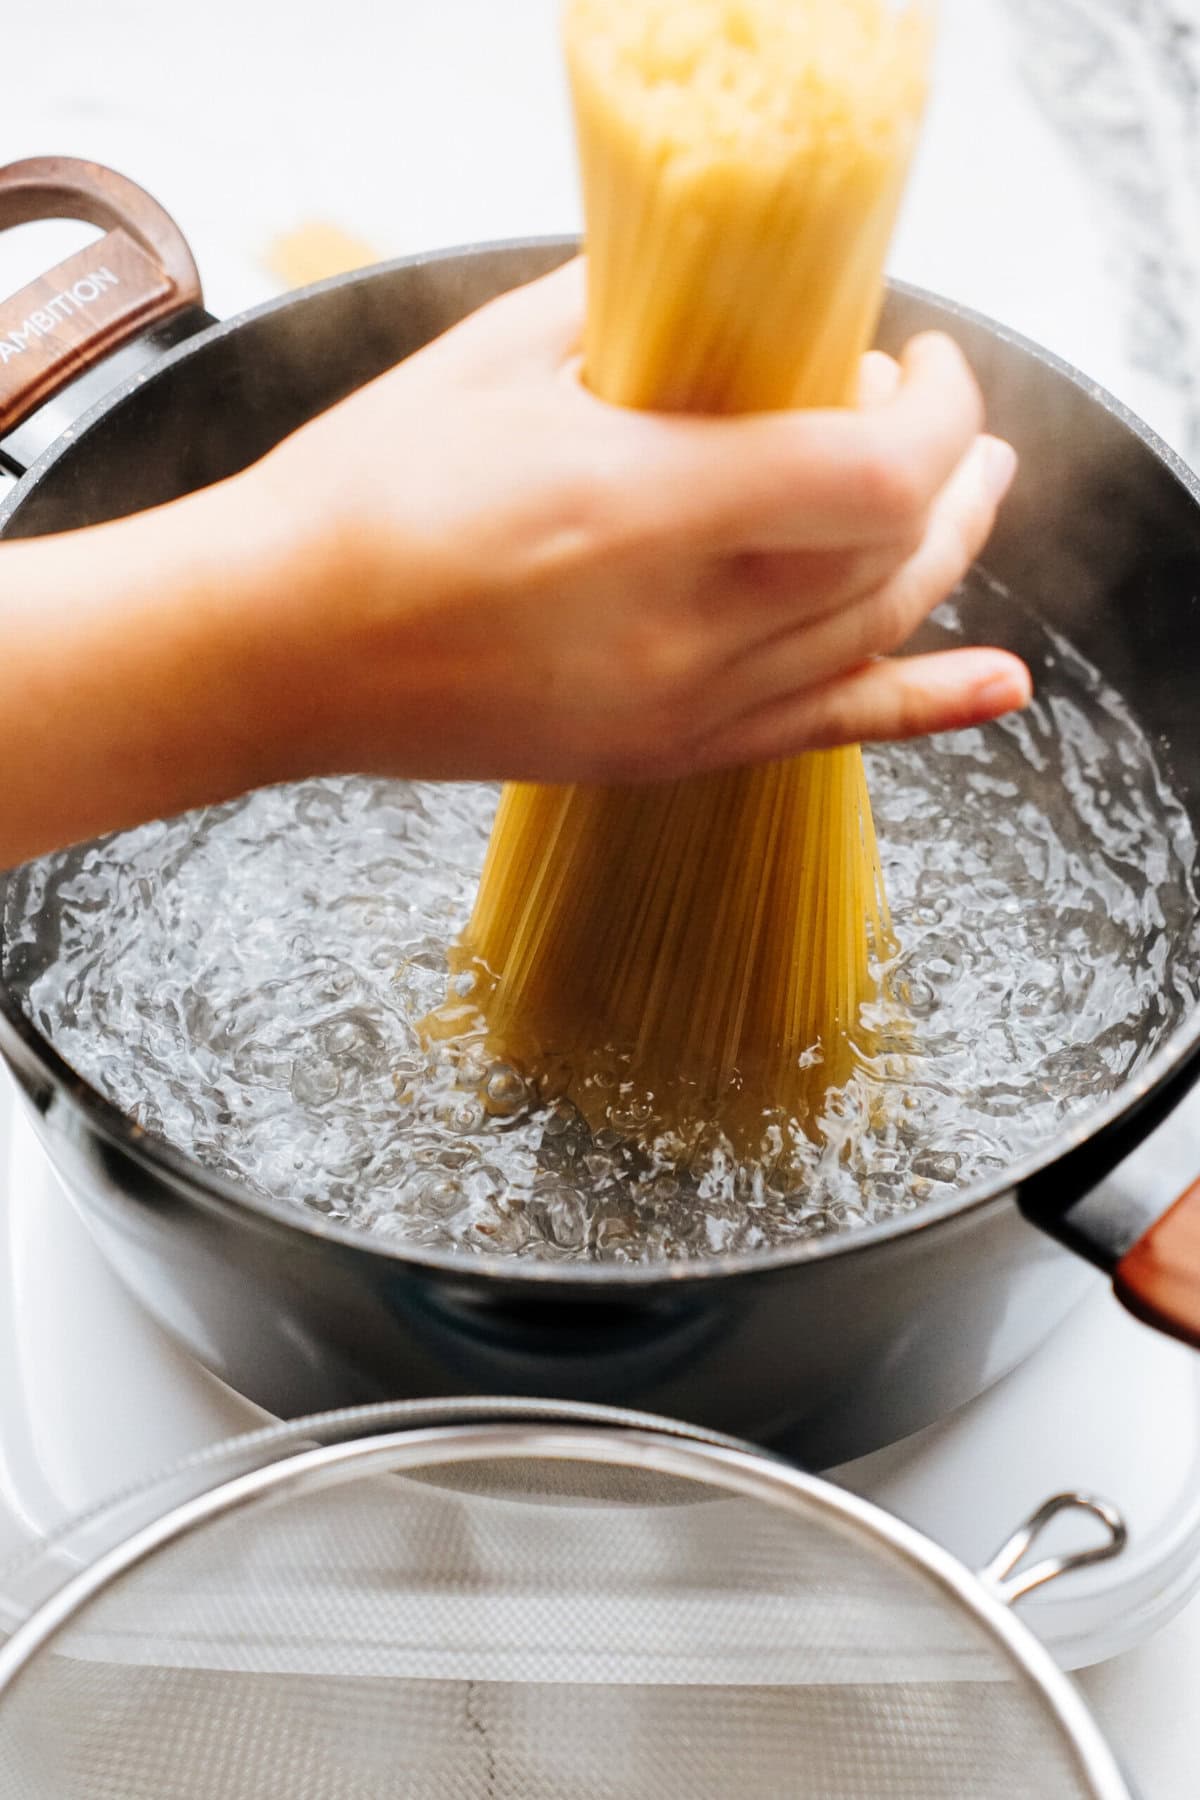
879, 379
813, 582
881, 701
811, 480
838, 637
764, 597
880, 469
959, 526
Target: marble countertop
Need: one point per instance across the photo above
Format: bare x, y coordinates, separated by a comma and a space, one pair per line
1058, 189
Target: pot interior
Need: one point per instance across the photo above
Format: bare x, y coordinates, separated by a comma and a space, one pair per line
1094, 576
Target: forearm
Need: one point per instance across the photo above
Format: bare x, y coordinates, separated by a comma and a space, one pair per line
136, 671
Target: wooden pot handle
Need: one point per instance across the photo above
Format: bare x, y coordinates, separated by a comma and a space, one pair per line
1158, 1280
141, 271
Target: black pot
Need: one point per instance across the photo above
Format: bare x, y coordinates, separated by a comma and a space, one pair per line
828, 1349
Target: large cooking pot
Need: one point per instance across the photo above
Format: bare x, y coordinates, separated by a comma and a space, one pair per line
118, 392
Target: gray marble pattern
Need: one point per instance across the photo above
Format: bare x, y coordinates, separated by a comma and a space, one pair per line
1119, 80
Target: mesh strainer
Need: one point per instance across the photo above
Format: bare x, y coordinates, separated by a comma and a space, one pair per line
508, 1602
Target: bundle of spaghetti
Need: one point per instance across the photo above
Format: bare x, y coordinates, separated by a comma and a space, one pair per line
707, 944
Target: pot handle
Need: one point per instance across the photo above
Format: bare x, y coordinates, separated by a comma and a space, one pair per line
1102, 1202
1158, 1280
66, 321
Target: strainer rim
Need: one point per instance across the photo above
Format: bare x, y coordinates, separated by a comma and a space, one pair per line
742, 1471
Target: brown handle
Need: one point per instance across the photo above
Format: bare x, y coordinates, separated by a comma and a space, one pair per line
1159, 1279
141, 271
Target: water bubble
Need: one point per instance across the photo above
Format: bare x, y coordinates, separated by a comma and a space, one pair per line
386, 871
318, 804
561, 1220
314, 1083
559, 1119
443, 1197
506, 1092
937, 1165
200, 1020
631, 1116
462, 1116
941, 959
917, 996
352, 1041
336, 983
613, 1231
430, 957
887, 1191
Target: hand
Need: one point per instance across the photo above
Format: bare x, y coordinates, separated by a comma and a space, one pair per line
493, 573
474, 568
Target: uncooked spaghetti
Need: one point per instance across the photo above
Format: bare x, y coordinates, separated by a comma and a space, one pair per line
711, 940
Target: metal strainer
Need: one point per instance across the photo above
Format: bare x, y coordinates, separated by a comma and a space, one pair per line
507, 1602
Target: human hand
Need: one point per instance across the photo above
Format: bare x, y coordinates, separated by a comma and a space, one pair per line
474, 568
488, 572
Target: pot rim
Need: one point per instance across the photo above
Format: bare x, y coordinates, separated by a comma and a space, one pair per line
47, 1076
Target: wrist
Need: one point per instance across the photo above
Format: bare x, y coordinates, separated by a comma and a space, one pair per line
242, 633
199, 616
292, 648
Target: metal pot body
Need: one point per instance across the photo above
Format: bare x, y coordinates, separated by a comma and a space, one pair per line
823, 1360
837, 1348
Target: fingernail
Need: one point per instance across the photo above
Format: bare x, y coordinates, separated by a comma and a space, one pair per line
999, 467
1009, 692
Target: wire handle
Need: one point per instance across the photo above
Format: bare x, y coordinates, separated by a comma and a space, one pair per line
1003, 1576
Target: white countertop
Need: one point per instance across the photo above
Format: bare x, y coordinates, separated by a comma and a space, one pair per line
1059, 190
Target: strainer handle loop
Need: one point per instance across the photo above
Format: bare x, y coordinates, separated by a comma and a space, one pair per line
1009, 1582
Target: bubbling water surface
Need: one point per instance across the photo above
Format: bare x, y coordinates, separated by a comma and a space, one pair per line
246, 983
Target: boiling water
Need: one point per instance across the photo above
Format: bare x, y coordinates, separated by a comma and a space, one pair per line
246, 982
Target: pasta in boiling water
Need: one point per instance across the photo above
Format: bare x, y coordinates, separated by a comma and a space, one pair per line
711, 940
